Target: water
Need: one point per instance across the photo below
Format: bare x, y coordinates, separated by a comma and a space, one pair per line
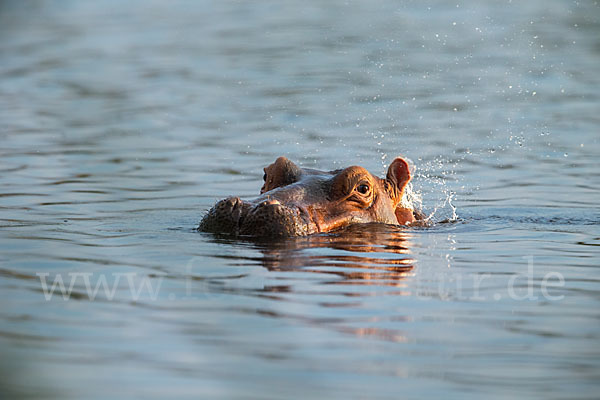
122, 122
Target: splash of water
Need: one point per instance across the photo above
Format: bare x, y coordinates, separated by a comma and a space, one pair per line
439, 191
447, 202
412, 198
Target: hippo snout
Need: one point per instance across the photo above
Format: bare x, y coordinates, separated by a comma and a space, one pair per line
266, 218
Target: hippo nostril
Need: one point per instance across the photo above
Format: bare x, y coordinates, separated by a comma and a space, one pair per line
235, 202
268, 203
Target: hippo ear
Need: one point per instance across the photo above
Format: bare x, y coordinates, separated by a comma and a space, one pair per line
281, 173
398, 175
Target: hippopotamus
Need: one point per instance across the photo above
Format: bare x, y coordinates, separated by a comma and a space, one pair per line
298, 201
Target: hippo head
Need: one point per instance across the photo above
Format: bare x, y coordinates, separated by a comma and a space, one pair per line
298, 201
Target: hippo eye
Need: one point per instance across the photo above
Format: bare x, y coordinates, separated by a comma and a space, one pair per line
363, 188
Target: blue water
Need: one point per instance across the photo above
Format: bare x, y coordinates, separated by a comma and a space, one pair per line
123, 122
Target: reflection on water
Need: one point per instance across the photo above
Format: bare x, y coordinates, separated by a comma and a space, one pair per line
390, 263
123, 123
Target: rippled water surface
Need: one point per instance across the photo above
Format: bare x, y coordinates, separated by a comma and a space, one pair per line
123, 122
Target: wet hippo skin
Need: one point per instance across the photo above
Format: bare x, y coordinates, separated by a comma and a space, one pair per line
298, 201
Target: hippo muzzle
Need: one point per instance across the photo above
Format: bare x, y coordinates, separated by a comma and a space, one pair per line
265, 218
